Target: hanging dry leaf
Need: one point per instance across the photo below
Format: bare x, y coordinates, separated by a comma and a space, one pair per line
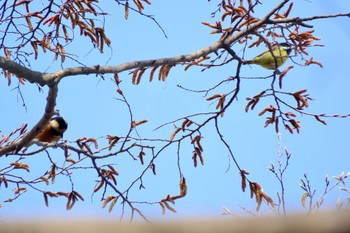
172, 136
153, 166
126, 10
194, 157
152, 73
139, 5
320, 120
141, 154
100, 184
107, 200
163, 207
303, 199
76, 194
169, 207
183, 187
137, 123
115, 199
46, 199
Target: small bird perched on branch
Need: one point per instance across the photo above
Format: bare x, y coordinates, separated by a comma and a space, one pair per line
265, 59
53, 132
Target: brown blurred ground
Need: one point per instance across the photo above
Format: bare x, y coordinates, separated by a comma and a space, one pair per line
332, 222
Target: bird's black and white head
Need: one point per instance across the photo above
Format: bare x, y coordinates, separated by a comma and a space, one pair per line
286, 46
59, 124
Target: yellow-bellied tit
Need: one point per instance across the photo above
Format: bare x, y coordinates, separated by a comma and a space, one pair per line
281, 53
53, 132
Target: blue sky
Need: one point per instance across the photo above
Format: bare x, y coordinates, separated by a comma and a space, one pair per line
92, 109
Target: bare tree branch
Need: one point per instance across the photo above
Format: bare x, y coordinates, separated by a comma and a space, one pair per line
244, 30
49, 111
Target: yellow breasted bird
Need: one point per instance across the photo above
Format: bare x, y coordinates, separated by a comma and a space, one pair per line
265, 59
53, 132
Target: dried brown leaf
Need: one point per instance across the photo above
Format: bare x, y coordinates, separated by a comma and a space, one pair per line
7, 53
134, 76
250, 102
152, 73
71, 201
94, 141
115, 199
282, 74
201, 159
19, 190
19, 165
277, 125
29, 23
137, 123
289, 128
172, 136
183, 187
64, 194
46, 199
153, 166
71, 160
139, 5
113, 169
214, 96
320, 120
141, 154
45, 180
303, 199
252, 189
243, 182
119, 91
139, 75
163, 207
268, 199
184, 123
288, 10
116, 78
169, 207
87, 147
126, 10
35, 47
100, 184
107, 200
65, 32
113, 140
194, 157
3, 179
78, 195
312, 61
196, 138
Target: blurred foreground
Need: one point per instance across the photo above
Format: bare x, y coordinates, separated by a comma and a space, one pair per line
332, 222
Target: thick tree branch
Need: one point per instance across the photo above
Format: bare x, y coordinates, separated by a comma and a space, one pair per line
21, 71
52, 79
55, 77
49, 111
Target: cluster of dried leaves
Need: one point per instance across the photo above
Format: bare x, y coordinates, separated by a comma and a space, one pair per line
164, 203
255, 190
138, 4
59, 19
72, 197
52, 29
15, 135
241, 15
162, 73
195, 139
